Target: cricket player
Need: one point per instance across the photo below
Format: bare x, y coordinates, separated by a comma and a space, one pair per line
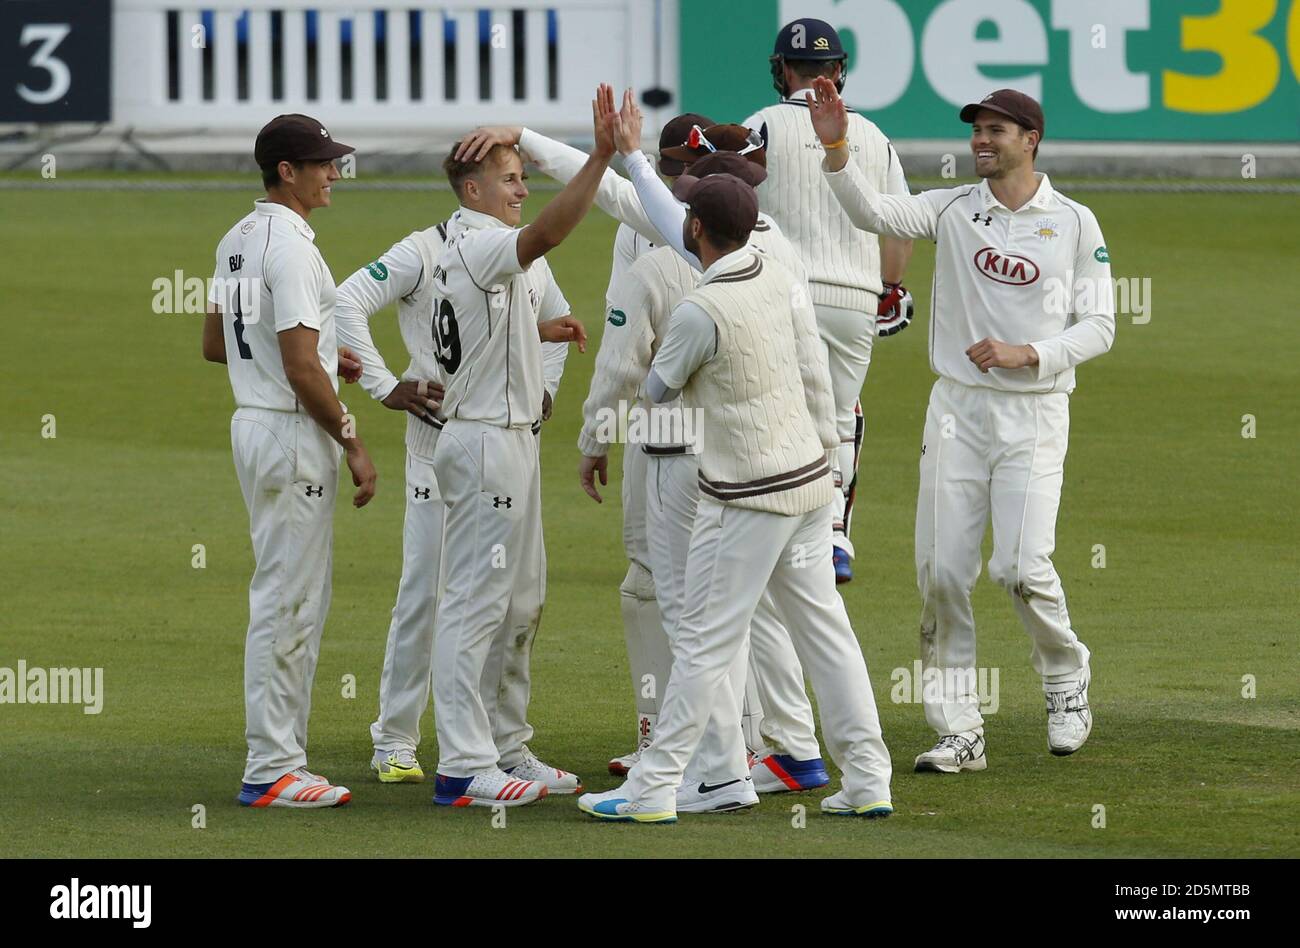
641, 308
1008, 328
743, 349
491, 294
404, 275
271, 320
649, 656
856, 280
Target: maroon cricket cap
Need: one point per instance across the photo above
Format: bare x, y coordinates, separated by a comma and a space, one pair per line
725, 205
296, 138
1022, 109
728, 162
675, 132
734, 138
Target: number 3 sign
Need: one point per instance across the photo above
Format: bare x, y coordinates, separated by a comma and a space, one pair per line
55, 60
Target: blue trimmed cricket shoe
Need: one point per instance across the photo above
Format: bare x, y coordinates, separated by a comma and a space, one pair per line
614, 806
399, 766
779, 773
494, 788
843, 566
300, 789
837, 804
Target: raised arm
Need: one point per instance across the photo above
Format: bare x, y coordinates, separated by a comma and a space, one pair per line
615, 195
558, 219
665, 213
901, 216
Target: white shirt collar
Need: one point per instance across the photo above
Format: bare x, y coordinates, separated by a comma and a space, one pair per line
477, 219
724, 263
271, 209
1044, 198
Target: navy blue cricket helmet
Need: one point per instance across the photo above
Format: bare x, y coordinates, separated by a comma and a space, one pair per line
806, 39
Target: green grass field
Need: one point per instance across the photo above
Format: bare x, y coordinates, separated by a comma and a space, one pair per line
1199, 588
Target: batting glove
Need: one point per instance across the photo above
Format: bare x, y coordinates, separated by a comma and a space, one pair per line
895, 311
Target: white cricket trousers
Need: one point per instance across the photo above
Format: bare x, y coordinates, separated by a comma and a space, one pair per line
648, 653
990, 452
849, 336
492, 491
766, 680
735, 554
288, 473
407, 678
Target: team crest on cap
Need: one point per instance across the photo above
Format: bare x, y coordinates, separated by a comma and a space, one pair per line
324, 133
1045, 230
822, 43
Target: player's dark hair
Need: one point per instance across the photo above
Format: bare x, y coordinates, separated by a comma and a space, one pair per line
458, 172
271, 173
720, 240
812, 68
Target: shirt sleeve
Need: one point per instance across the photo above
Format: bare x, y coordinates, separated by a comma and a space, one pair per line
663, 209
490, 254
691, 342
397, 273
1092, 330
622, 362
894, 215
295, 284
615, 195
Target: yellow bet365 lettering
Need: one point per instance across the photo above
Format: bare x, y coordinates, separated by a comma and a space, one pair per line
1251, 66
1293, 39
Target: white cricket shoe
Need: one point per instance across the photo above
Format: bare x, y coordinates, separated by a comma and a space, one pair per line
838, 804
299, 788
553, 778
1069, 719
487, 789
399, 766
614, 806
619, 766
738, 794
954, 753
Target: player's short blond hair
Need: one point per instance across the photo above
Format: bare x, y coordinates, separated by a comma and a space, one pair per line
458, 172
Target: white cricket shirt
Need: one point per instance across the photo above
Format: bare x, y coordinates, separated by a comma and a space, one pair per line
270, 277
842, 261
485, 312
1039, 276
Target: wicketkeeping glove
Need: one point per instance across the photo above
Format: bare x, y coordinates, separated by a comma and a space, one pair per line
895, 311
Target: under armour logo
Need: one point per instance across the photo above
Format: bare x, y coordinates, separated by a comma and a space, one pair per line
988, 219
318, 491
422, 493
501, 502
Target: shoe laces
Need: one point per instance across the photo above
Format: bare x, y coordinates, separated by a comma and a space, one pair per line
1059, 702
953, 742
404, 758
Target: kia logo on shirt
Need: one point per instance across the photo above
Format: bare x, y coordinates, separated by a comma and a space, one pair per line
1009, 268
